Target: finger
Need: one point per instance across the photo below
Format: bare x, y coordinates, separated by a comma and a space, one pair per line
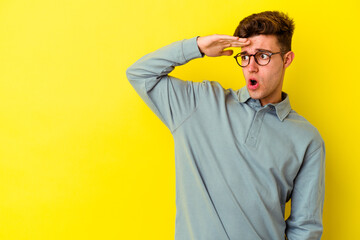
227, 37
227, 45
227, 40
243, 40
238, 44
245, 44
238, 41
230, 43
227, 53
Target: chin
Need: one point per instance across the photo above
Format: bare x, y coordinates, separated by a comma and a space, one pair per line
254, 96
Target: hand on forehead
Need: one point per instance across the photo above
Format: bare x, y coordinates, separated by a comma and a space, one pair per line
233, 40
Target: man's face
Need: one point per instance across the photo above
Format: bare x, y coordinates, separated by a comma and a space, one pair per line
265, 82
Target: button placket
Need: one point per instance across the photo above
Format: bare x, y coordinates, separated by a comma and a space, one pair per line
255, 128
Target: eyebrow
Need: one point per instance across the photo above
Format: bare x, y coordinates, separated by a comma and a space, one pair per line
257, 50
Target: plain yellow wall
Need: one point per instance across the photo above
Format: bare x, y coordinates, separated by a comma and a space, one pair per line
82, 157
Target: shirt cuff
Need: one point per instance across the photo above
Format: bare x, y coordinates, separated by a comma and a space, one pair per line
191, 49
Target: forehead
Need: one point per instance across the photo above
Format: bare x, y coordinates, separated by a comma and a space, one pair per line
268, 42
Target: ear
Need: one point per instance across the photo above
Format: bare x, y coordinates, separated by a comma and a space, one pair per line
288, 58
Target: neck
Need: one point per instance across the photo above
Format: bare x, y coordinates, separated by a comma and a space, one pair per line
274, 100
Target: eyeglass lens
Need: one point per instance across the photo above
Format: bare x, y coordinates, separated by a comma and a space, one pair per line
261, 58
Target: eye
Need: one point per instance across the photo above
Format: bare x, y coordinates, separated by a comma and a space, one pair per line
264, 56
244, 57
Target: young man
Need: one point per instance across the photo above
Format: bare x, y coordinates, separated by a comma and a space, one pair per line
239, 155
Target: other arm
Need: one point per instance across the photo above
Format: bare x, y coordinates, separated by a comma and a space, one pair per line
307, 200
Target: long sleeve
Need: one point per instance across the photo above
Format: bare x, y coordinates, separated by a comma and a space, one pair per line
171, 99
305, 220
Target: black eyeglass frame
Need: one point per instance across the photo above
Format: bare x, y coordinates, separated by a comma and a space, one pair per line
269, 53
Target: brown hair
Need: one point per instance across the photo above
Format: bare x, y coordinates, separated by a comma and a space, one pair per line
268, 23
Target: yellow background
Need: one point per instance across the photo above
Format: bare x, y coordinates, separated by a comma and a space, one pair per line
82, 157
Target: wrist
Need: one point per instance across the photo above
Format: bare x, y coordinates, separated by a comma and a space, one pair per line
199, 47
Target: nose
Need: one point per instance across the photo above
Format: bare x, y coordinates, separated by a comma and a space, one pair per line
253, 66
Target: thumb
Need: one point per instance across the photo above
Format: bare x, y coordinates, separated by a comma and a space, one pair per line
227, 53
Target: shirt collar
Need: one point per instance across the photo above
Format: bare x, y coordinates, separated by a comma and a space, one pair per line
282, 108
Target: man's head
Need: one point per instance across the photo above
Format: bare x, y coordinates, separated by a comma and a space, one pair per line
268, 23
268, 32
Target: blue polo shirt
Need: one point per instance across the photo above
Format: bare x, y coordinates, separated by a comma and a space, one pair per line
237, 162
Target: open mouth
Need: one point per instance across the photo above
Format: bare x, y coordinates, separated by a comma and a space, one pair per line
253, 84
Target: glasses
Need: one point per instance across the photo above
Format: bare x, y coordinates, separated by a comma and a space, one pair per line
261, 58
